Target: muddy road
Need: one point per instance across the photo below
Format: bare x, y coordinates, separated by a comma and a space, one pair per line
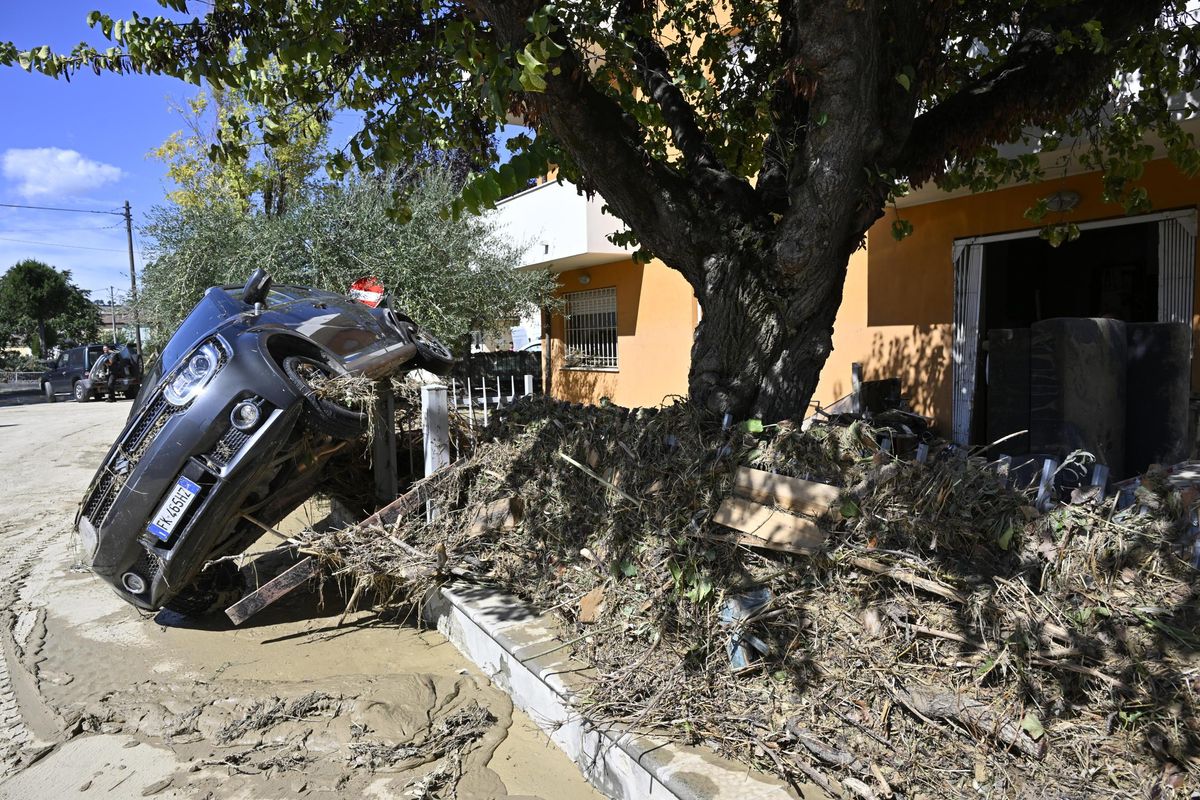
99, 700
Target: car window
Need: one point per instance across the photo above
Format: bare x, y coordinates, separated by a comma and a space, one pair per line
75, 358
93, 353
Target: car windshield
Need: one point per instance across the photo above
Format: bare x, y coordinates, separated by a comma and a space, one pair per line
276, 296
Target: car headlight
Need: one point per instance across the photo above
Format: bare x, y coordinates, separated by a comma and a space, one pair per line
190, 379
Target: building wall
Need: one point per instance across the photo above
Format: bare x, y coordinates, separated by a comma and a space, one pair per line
899, 302
896, 315
656, 315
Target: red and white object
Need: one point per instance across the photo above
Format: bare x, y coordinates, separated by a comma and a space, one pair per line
368, 291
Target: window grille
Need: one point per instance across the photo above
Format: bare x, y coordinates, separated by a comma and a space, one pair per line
591, 327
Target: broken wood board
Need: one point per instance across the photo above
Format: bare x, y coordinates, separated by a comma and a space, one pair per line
759, 526
909, 577
499, 515
794, 494
272, 590
411, 500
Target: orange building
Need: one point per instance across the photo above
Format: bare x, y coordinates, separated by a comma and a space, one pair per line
919, 309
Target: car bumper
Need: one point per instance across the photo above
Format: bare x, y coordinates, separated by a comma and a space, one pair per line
162, 444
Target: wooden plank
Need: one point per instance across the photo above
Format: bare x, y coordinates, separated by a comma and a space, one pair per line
759, 526
272, 590
503, 515
411, 500
794, 494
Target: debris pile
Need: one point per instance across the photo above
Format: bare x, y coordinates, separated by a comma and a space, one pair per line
820, 604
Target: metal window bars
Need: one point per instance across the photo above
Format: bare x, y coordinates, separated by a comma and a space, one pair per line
591, 329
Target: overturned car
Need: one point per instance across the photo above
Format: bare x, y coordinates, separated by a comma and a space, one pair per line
228, 435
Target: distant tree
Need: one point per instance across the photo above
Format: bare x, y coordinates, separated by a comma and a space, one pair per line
252, 176
453, 276
40, 302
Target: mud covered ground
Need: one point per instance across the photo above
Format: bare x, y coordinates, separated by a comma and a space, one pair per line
98, 700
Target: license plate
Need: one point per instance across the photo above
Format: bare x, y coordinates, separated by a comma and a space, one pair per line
172, 509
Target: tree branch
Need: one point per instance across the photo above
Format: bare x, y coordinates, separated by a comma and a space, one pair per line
1031, 86
654, 201
707, 171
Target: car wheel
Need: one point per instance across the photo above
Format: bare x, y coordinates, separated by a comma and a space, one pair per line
49, 390
322, 414
215, 589
80, 392
432, 355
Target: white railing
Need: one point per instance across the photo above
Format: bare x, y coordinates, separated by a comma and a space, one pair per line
477, 399
9, 377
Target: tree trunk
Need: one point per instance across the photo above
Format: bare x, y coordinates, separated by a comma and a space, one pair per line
764, 337
41, 338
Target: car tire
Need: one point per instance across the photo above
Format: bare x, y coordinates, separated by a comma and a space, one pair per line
49, 391
79, 392
323, 415
214, 589
432, 355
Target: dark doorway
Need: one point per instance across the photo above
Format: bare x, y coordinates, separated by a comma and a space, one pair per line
1106, 272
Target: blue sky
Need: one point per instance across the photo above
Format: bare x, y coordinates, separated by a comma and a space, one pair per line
82, 144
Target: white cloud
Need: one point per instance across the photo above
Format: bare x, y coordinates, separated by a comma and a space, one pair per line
41, 172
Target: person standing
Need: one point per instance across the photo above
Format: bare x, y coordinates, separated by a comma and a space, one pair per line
102, 374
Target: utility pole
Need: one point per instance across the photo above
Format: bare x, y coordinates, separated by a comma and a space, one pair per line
133, 296
112, 308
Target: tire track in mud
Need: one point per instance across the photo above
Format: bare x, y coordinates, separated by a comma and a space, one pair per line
19, 554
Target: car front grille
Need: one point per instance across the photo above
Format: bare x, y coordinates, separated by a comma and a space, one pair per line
125, 458
228, 447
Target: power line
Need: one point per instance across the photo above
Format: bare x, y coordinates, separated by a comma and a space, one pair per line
55, 244
71, 210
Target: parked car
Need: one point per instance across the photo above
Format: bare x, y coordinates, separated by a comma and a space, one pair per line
68, 374
229, 435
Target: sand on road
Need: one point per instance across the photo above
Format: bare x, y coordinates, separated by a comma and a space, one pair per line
100, 700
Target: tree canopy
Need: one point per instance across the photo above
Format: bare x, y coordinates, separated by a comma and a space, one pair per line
452, 276
43, 305
748, 144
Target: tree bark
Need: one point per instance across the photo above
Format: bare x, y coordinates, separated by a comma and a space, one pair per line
764, 337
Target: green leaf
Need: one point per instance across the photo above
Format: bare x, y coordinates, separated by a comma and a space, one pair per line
531, 82
849, 509
904, 81
1005, 540
751, 426
987, 666
1033, 726
629, 569
901, 229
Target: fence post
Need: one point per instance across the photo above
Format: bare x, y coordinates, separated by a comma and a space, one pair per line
435, 426
383, 443
435, 422
529, 386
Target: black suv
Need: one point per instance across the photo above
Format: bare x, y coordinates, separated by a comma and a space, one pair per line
230, 434
69, 374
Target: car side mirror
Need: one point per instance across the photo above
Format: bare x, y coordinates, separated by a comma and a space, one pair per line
257, 287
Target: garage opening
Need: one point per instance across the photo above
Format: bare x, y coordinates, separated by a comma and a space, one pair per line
1046, 337
1110, 272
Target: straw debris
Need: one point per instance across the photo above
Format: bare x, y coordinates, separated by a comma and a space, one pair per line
948, 640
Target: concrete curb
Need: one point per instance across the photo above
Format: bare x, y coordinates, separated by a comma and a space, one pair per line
522, 654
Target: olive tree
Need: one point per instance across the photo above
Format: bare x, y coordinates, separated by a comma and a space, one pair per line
748, 144
453, 276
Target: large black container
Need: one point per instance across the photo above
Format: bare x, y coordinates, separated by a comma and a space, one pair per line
1158, 387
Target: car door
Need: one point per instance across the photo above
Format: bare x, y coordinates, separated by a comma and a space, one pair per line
73, 369
54, 376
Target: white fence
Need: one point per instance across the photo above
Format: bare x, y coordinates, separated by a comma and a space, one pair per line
18, 378
477, 400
